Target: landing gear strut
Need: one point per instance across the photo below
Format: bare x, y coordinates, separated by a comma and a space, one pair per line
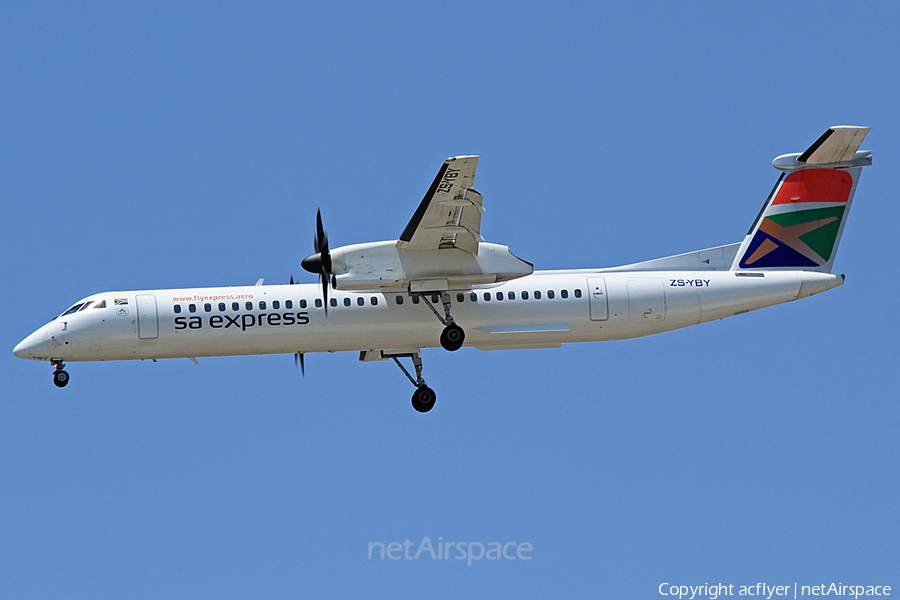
423, 398
60, 377
453, 336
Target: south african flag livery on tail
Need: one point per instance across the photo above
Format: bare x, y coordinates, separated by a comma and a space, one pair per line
801, 222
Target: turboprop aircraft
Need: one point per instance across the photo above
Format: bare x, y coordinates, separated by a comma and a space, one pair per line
441, 283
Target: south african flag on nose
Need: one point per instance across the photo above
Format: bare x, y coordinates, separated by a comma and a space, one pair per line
120, 301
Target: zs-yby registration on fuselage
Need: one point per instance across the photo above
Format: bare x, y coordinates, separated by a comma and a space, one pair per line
441, 284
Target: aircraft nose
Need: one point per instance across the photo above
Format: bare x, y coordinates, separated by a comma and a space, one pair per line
21, 349
31, 346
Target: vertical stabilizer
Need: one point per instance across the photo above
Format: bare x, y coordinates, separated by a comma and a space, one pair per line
803, 218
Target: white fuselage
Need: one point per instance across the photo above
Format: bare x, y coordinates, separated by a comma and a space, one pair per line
545, 309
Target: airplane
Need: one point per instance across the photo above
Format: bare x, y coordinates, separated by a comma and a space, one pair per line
441, 284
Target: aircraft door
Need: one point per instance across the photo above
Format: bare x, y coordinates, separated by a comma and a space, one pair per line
646, 300
597, 296
148, 323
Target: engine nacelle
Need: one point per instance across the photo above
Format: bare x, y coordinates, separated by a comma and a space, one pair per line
384, 265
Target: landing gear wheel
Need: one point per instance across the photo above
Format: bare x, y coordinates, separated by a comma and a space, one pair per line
60, 378
452, 337
423, 399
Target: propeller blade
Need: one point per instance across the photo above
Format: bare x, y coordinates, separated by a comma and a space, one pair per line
298, 357
321, 238
322, 243
323, 279
320, 261
292, 279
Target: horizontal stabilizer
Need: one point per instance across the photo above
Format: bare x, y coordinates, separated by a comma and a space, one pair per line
837, 147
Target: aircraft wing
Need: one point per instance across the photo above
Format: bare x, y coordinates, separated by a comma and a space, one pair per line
449, 215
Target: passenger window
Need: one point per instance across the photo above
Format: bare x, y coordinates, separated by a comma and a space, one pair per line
537, 294
415, 299
303, 303
564, 293
511, 295
360, 301
235, 306
192, 308
374, 301
460, 298
318, 303
289, 304
487, 296
207, 307
177, 308
524, 295
221, 307
262, 305
473, 297
499, 295
551, 294
578, 293
248, 305
276, 304
333, 303
435, 298
399, 300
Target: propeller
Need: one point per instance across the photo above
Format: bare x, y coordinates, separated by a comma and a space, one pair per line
320, 261
298, 358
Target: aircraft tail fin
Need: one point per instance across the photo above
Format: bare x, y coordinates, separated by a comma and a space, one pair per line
801, 223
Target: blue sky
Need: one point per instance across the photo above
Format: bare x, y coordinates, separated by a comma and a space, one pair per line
171, 146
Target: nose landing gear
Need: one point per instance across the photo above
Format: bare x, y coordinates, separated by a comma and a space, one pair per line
60, 377
424, 397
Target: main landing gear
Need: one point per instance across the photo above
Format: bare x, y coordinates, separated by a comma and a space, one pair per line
60, 377
423, 398
453, 336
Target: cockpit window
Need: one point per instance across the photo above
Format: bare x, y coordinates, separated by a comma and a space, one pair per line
100, 304
86, 306
73, 309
